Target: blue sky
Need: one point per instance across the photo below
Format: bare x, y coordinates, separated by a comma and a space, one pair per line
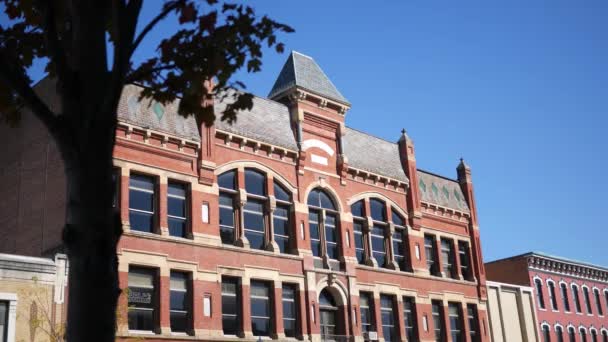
519, 89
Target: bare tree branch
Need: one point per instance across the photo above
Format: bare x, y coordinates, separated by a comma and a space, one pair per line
50, 34
168, 8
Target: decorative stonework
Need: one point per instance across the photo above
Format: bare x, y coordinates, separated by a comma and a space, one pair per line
568, 268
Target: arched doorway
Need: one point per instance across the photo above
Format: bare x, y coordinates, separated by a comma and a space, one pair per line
328, 312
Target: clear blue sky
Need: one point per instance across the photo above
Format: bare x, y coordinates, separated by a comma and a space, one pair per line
518, 88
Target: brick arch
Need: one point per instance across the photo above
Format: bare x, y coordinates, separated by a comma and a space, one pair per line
374, 194
242, 164
330, 191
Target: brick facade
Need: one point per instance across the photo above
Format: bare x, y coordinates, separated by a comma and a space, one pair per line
319, 155
560, 281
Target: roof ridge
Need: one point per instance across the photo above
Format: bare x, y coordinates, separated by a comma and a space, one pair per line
371, 135
438, 175
301, 54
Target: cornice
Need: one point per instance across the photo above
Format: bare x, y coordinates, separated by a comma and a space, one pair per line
567, 268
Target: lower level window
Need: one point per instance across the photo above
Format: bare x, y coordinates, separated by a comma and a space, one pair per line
546, 336
289, 310
260, 308
180, 302
455, 322
142, 299
409, 317
437, 310
4, 321
365, 304
231, 316
473, 322
388, 317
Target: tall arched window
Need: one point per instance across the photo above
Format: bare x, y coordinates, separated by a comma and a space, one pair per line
256, 218
598, 302
357, 209
378, 231
539, 293
583, 333
400, 243
564, 290
571, 334
546, 334
552, 298
323, 224
559, 333
604, 336
593, 335
575, 298
587, 299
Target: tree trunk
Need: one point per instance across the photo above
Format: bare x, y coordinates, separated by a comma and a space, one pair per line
91, 235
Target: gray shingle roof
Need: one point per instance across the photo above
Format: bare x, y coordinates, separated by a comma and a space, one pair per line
153, 115
302, 71
267, 121
441, 191
373, 154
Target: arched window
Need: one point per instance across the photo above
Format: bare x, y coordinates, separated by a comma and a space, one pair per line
256, 217
374, 242
583, 333
598, 302
587, 300
604, 336
575, 298
328, 312
564, 290
593, 335
559, 333
322, 222
539, 293
571, 334
552, 298
546, 333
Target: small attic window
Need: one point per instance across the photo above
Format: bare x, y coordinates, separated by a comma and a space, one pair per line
422, 185
158, 110
446, 193
435, 189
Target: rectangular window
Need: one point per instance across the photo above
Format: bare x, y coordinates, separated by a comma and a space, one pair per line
226, 218
260, 308
253, 213
447, 258
465, 261
315, 236
4, 307
576, 299
455, 322
331, 236
358, 231
142, 299
429, 251
378, 250
399, 248
587, 300
473, 322
366, 306
180, 302
564, 290
539, 293
282, 226
388, 317
116, 186
437, 311
142, 203
177, 209
290, 312
231, 313
409, 319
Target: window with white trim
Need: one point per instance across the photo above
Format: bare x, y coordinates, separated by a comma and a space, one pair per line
430, 253
387, 313
254, 223
465, 260
438, 319
559, 333
598, 302
367, 313
539, 293
142, 203
571, 334
604, 336
231, 309
409, 317
576, 299
587, 300
378, 231
142, 299
290, 313
583, 334
282, 219
472, 316
357, 210
455, 315
400, 243
564, 290
4, 308
546, 333
593, 335
552, 298
447, 258
228, 193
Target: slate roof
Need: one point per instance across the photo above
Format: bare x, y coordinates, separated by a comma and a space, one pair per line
153, 115
373, 154
302, 71
267, 121
442, 191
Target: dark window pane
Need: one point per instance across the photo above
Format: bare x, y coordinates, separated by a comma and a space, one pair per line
230, 306
227, 235
256, 240
260, 326
318, 198
226, 217
141, 182
378, 210
283, 243
332, 251
177, 189
141, 298
255, 182
178, 300
176, 207
357, 209
226, 200
260, 307
230, 325
141, 222
314, 231
141, 200
281, 211
179, 321
313, 198
177, 227
227, 180
141, 319
330, 234
326, 202
397, 219
280, 193
316, 248
254, 221
281, 226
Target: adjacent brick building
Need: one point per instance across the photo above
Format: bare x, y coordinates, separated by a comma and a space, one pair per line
287, 224
571, 296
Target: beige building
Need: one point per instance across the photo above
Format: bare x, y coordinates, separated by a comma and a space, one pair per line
511, 313
32, 293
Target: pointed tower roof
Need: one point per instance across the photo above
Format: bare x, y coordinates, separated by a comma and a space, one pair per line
302, 71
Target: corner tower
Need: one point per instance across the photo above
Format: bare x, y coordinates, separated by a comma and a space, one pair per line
317, 113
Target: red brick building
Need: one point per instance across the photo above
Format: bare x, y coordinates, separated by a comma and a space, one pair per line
287, 225
571, 296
